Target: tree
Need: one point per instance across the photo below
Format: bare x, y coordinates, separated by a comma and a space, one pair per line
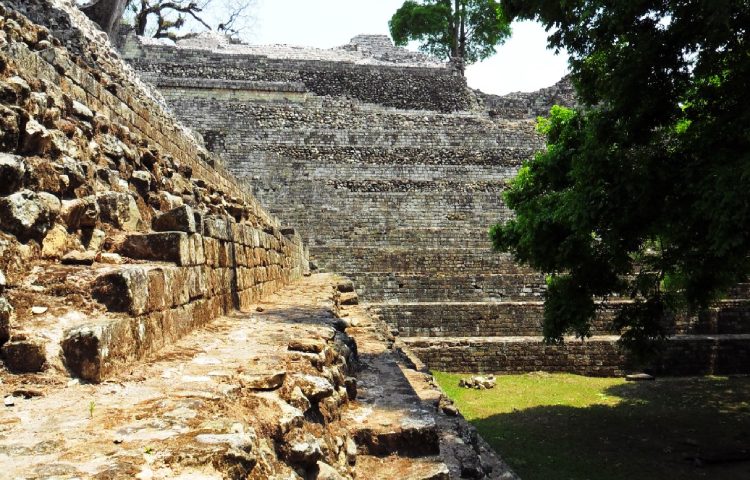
168, 18
468, 30
643, 190
105, 13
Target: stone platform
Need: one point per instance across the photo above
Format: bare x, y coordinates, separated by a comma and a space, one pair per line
277, 391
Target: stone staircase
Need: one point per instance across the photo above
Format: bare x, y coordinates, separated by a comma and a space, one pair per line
409, 190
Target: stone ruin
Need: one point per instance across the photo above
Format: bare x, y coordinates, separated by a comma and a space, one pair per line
158, 315
392, 171
156, 321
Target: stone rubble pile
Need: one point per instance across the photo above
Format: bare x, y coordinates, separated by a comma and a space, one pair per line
479, 382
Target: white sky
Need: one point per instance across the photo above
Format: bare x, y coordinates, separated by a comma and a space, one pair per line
523, 63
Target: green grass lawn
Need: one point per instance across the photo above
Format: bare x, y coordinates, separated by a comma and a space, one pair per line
571, 427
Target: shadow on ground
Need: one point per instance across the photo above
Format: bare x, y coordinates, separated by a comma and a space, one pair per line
696, 428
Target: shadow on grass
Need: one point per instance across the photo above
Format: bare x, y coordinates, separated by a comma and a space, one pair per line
674, 428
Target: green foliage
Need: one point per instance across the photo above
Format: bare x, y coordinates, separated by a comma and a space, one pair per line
466, 29
643, 190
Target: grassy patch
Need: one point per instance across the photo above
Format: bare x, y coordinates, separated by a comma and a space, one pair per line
571, 427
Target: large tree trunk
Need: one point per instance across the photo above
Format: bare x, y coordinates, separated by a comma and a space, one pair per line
106, 13
456, 29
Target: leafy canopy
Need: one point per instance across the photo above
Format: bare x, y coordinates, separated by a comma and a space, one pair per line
465, 29
644, 189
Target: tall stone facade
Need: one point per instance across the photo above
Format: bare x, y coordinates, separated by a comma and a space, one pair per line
393, 171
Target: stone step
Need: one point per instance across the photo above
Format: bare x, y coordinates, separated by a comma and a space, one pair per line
469, 287
597, 356
344, 159
388, 418
389, 468
471, 319
340, 114
446, 260
495, 319
121, 313
214, 405
446, 236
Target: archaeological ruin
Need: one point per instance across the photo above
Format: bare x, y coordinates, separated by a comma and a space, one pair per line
392, 171
226, 261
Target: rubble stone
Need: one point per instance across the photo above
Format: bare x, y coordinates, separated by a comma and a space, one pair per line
264, 381
55, 243
314, 388
10, 131
304, 450
12, 171
119, 210
37, 140
142, 181
478, 382
24, 356
6, 312
307, 345
79, 258
27, 215
80, 213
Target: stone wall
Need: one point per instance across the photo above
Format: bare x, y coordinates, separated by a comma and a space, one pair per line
530, 104
119, 231
684, 355
365, 69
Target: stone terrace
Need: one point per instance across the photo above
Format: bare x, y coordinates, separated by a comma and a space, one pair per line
396, 188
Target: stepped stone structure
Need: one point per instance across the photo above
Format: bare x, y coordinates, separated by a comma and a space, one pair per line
393, 171
156, 321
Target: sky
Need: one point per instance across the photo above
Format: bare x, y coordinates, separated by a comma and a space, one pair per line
523, 63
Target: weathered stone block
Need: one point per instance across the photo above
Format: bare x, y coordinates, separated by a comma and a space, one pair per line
28, 215
160, 247
177, 285
180, 219
24, 356
211, 251
124, 290
157, 291
12, 171
80, 213
6, 312
92, 352
197, 281
217, 227
119, 210
198, 253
